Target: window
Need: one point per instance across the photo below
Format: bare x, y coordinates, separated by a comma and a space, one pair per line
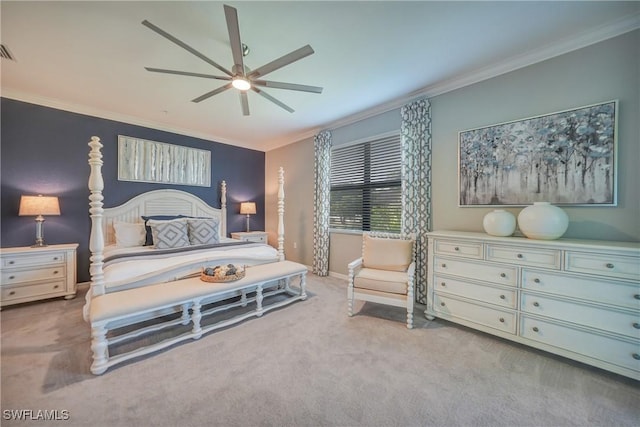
366, 186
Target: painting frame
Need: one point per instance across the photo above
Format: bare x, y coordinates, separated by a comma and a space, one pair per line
142, 160
567, 158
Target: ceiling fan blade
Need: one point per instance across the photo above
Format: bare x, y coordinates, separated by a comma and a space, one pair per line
186, 73
231, 14
272, 99
289, 86
185, 46
281, 62
244, 102
213, 92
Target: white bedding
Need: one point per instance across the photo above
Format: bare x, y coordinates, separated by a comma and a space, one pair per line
125, 273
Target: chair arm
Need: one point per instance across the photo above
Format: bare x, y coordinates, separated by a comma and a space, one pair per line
354, 264
412, 269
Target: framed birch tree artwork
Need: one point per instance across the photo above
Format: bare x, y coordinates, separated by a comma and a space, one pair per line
566, 158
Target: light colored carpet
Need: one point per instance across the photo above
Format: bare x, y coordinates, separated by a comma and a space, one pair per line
307, 364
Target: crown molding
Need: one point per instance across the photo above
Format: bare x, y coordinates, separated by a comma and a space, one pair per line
561, 47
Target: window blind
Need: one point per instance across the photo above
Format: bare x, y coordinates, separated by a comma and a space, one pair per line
366, 186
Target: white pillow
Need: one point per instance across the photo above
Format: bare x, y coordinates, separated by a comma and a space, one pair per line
129, 234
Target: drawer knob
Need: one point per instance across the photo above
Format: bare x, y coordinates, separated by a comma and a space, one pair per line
536, 304
502, 297
636, 356
12, 293
502, 320
12, 262
535, 329
443, 284
609, 265
456, 249
503, 275
519, 256
55, 272
56, 286
636, 325
637, 296
444, 265
442, 304
12, 277
536, 280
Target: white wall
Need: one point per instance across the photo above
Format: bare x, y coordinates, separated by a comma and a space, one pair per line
601, 72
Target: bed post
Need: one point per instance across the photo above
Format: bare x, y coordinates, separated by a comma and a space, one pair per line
96, 239
223, 208
281, 214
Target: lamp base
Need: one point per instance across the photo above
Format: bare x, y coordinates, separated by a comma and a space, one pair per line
39, 233
247, 223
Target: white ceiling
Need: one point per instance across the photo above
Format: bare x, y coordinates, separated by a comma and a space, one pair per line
89, 57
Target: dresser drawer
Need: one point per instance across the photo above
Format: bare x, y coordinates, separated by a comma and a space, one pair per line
618, 352
623, 294
465, 249
503, 297
20, 276
499, 274
48, 258
10, 293
549, 258
595, 317
493, 318
623, 267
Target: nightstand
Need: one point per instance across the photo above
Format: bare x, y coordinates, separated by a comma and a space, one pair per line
31, 274
251, 236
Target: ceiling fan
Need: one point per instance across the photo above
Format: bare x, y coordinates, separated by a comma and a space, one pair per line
240, 76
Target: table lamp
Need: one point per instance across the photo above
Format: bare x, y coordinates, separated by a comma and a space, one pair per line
38, 206
247, 208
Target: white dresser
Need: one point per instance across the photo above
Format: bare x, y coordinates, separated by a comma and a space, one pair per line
251, 236
30, 274
576, 298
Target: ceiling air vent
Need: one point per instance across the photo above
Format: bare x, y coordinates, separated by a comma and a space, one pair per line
5, 53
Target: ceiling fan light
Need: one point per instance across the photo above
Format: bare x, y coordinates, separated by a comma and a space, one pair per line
241, 83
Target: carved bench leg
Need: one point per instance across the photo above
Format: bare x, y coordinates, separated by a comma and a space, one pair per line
303, 286
259, 298
196, 316
243, 298
185, 314
100, 348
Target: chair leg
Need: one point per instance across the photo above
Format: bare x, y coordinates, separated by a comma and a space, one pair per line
350, 299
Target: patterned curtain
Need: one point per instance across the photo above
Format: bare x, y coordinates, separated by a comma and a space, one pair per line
321, 188
415, 132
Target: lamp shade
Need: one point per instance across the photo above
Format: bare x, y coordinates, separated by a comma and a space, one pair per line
39, 205
247, 208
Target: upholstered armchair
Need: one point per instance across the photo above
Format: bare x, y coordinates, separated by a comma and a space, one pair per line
385, 272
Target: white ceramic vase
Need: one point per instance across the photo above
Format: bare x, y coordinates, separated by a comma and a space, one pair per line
499, 223
543, 221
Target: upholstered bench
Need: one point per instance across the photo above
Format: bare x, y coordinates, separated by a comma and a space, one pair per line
189, 295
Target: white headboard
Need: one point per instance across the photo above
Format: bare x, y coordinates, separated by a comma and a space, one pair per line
162, 202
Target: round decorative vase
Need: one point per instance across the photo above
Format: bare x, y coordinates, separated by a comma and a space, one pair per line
499, 223
543, 221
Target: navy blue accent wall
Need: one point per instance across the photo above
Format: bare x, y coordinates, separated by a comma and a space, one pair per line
45, 151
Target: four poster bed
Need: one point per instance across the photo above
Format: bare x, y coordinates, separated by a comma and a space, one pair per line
121, 262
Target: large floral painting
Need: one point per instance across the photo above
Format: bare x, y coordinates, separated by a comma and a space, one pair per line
566, 158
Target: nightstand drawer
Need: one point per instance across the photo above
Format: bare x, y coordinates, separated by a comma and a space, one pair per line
10, 293
465, 249
49, 258
19, 276
250, 236
624, 267
549, 258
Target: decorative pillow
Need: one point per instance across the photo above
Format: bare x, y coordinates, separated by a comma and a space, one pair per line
169, 234
386, 253
129, 234
149, 238
203, 231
